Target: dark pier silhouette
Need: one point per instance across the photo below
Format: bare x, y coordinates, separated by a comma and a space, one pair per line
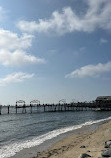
100, 104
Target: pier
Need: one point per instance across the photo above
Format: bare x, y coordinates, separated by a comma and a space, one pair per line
62, 106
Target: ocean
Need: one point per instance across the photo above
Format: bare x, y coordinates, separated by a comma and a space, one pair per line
19, 131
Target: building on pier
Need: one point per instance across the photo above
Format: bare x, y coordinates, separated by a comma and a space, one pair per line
103, 102
103, 99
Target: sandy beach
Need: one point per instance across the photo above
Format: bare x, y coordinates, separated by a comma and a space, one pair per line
90, 142
89, 139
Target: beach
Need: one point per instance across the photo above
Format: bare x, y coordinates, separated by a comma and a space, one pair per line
89, 139
55, 78
90, 142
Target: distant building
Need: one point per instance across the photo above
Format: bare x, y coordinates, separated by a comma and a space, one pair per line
103, 103
103, 100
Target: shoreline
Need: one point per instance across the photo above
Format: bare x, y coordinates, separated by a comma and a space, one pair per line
89, 142
50, 146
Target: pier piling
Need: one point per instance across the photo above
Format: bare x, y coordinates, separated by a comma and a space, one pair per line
8, 109
0, 109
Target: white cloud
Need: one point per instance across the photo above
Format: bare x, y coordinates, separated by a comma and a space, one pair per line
98, 15
102, 41
18, 58
90, 70
14, 78
13, 49
11, 41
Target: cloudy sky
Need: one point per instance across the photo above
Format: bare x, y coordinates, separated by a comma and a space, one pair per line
52, 50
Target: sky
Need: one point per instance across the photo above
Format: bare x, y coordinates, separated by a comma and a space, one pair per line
53, 50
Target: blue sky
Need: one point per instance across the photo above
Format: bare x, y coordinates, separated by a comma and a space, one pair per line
52, 50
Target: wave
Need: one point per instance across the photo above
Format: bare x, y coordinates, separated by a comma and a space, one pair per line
11, 149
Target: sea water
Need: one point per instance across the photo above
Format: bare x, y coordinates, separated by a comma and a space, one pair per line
19, 131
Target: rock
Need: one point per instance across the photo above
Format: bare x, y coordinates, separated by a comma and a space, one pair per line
106, 153
84, 155
108, 144
83, 146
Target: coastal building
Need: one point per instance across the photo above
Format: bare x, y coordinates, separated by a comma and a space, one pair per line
103, 99
103, 102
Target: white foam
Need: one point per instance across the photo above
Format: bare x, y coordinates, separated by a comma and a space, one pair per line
11, 149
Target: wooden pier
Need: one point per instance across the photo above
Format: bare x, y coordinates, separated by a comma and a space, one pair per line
62, 106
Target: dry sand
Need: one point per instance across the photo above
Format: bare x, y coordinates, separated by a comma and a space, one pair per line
70, 146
